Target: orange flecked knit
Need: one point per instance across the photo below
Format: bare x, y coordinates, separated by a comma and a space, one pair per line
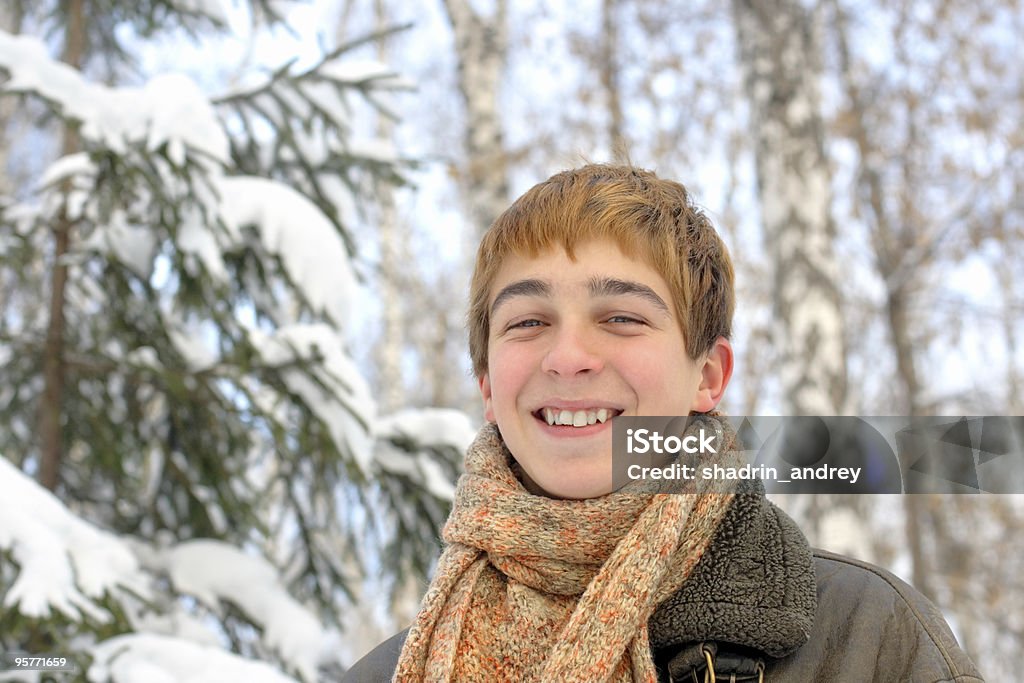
530, 588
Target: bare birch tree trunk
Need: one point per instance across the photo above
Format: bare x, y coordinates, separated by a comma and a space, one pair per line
609, 72
889, 253
51, 442
779, 54
481, 47
389, 351
1011, 308
481, 51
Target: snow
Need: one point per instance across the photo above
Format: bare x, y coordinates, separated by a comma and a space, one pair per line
347, 407
428, 428
67, 167
135, 246
153, 471
213, 571
355, 70
417, 467
327, 98
145, 357
191, 345
424, 429
196, 238
178, 623
311, 146
180, 113
152, 658
169, 108
64, 563
23, 217
292, 227
377, 149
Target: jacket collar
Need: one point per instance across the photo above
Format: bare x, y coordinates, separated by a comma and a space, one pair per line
754, 586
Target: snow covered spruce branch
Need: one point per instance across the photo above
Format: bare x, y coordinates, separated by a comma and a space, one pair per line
68, 566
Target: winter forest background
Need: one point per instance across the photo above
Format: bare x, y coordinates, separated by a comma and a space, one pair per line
234, 247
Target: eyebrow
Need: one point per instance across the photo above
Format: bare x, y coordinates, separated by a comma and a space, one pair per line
597, 286
531, 287
609, 286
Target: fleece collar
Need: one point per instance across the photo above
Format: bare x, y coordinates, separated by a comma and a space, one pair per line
754, 586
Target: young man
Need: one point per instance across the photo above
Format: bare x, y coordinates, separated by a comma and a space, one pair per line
603, 292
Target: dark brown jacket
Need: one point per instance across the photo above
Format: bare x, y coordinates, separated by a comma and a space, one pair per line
760, 603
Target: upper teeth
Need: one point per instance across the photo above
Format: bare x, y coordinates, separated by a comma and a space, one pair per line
579, 418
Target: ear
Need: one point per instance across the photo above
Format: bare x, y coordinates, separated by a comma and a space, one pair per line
484, 382
715, 373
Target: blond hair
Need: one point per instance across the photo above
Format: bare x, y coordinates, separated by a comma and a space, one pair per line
647, 217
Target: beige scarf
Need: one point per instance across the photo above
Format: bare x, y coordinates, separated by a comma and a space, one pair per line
530, 588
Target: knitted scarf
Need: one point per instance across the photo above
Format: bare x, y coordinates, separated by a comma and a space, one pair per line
530, 588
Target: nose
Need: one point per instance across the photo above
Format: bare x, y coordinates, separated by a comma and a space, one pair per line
572, 352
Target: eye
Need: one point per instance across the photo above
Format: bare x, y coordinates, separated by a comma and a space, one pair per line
523, 324
625, 319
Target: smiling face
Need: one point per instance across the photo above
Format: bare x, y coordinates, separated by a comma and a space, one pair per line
573, 343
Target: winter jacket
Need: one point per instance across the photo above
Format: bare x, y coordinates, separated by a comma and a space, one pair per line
761, 605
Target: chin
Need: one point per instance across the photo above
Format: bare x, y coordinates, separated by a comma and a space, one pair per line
572, 486
585, 494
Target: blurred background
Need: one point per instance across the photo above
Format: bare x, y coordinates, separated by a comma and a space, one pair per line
235, 244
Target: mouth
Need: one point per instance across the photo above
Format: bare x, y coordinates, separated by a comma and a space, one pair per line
584, 417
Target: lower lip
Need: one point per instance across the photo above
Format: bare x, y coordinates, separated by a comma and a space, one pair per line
569, 432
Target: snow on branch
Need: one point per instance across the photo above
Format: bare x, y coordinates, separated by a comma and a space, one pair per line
64, 563
213, 571
294, 229
151, 658
296, 125
409, 442
340, 397
169, 109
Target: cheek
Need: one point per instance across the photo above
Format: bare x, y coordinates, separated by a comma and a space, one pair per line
643, 371
661, 387
510, 370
